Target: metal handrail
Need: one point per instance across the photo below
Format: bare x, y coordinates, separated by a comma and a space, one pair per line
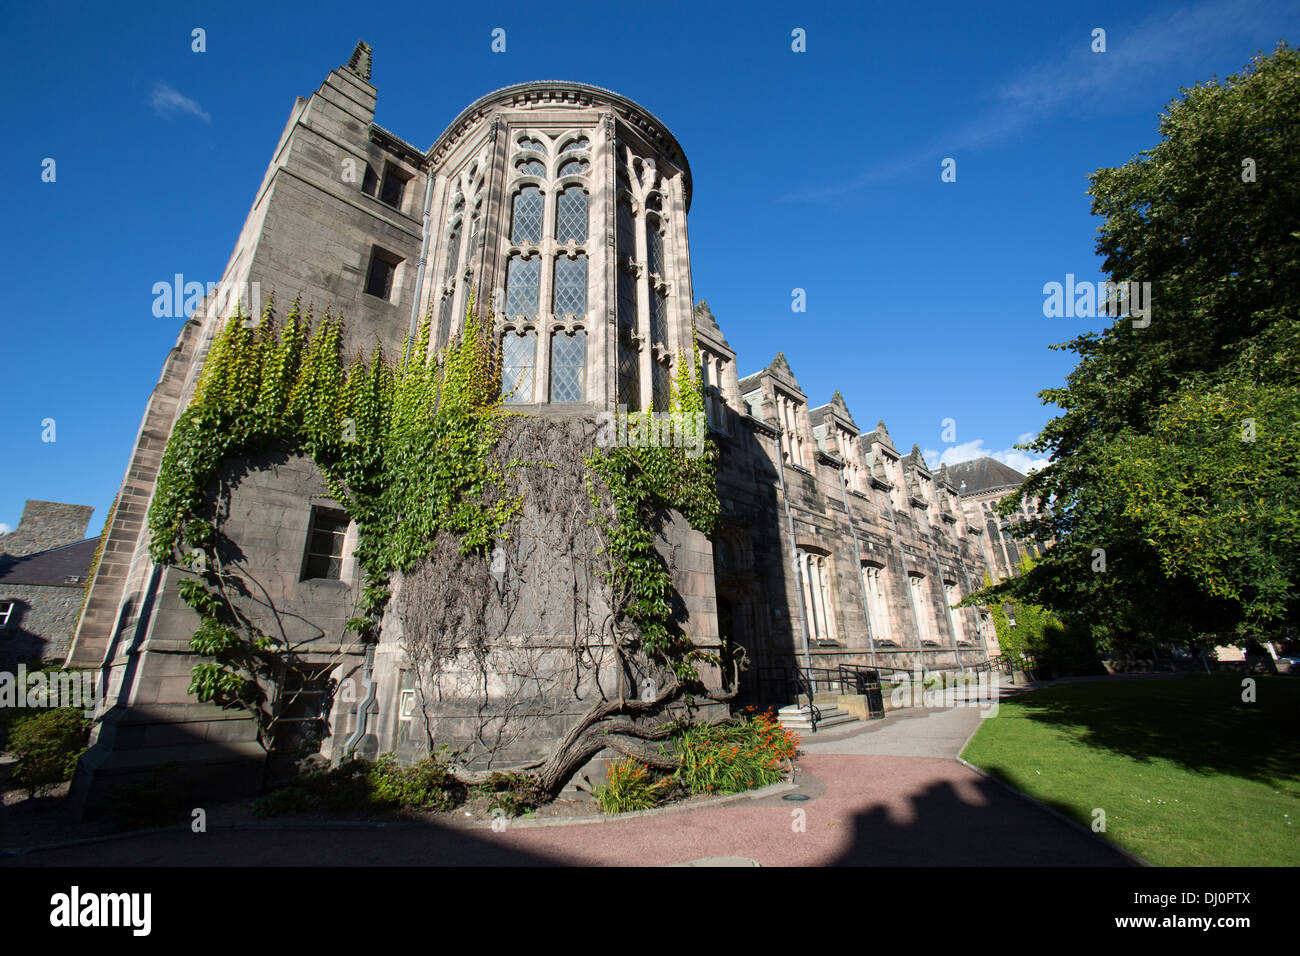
802, 684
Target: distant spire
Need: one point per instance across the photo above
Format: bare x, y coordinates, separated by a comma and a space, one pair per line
360, 62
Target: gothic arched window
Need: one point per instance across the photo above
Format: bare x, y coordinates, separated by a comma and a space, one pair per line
531, 167
569, 367
816, 596
922, 608
522, 278
654, 246
877, 605
571, 215
574, 167
526, 217
571, 286
518, 366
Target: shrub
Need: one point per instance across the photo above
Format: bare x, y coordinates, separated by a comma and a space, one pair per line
427, 785
740, 755
629, 785
357, 785
510, 792
48, 745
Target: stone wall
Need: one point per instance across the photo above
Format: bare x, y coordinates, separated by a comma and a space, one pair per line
41, 625
45, 525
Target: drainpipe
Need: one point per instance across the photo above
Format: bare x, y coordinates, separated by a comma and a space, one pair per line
363, 706
857, 553
424, 256
794, 550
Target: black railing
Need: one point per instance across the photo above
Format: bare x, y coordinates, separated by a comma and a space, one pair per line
803, 685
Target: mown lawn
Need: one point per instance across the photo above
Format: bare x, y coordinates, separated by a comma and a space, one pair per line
1187, 773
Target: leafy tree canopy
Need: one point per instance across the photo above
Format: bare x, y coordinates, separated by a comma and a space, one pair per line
1175, 465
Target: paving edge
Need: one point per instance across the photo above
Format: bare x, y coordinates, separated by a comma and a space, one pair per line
1127, 854
514, 824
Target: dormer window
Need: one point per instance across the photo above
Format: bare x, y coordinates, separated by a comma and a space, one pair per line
787, 410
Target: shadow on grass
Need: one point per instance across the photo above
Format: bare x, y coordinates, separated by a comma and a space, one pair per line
1199, 722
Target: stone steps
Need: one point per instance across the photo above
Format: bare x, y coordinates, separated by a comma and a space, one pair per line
796, 717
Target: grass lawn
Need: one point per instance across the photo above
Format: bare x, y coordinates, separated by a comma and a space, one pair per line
1187, 773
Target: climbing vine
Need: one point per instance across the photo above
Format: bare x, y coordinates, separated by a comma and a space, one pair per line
645, 481
405, 447
411, 448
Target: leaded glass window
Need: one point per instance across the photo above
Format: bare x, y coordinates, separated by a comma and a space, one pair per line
532, 144
518, 366
660, 386
626, 303
474, 227
574, 167
658, 322
571, 286
626, 231
629, 377
569, 367
571, 215
521, 286
654, 245
444, 319
453, 253
531, 167
526, 221
579, 143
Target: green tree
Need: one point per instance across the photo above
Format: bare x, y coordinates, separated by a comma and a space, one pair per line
1174, 475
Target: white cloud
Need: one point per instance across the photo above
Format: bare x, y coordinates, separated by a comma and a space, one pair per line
4, 528
168, 103
969, 451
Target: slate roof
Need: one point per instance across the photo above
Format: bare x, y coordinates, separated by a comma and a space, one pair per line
52, 567
983, 474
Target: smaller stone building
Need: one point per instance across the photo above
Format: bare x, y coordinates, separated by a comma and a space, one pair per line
44, 563
983, 483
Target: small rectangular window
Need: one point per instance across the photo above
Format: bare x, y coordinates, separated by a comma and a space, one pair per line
370, 182
393, 187
324, 557
379, 279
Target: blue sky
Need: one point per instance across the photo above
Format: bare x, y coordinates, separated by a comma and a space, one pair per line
817, 170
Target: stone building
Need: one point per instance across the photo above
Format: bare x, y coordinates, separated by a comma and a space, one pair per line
43, 567
984, 482
566, 204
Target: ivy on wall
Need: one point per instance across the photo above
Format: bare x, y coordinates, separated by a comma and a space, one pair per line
644, 483
405, 448
409, 448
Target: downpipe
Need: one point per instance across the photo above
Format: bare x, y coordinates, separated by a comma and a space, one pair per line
363, 705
